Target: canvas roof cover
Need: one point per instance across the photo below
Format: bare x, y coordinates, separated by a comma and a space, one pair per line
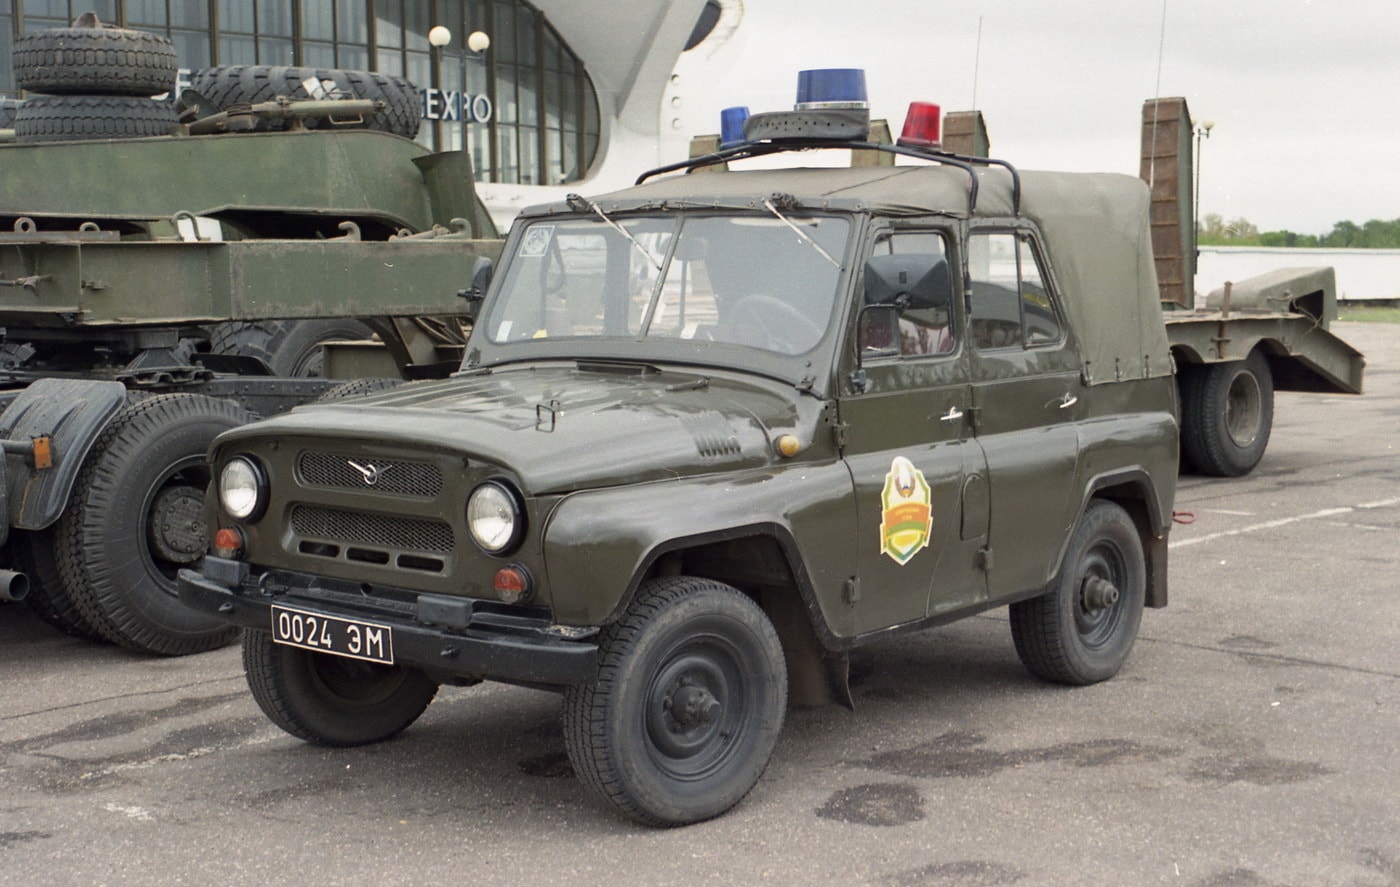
1096, 228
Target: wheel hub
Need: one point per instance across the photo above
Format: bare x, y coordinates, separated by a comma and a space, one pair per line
692, 706
1099, 593
177, 531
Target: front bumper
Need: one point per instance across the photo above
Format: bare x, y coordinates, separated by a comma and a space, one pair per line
468, 639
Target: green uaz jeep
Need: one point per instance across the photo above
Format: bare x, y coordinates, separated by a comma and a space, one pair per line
712, 433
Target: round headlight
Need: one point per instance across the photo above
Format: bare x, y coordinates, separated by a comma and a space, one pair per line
242, 489
493, 515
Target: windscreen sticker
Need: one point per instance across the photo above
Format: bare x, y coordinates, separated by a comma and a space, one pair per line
536, 242
906, 512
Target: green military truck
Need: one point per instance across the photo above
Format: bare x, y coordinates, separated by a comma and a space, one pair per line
712, 433
169, 271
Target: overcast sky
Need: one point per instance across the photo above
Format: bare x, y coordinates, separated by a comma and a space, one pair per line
1304, 94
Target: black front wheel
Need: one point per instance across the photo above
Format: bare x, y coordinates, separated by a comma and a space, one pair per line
688, 704
332, 700
1083, 630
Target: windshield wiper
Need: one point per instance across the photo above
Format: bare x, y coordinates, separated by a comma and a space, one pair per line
788, 200
582, 205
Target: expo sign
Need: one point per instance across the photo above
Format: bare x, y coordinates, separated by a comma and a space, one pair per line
451, 104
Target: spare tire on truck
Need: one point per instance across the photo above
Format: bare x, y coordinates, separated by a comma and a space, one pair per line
75, 118
228, 85
95, 61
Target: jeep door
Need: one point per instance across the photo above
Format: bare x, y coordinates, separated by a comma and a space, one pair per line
909, 447
1026, 385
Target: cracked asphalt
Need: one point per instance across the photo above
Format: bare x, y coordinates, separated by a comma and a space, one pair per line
1250, 741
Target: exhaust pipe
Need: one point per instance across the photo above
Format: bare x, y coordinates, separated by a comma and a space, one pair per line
13, 586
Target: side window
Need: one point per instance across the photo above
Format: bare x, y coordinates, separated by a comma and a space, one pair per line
925, 332
1011, 305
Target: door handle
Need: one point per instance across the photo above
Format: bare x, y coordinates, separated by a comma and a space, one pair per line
953, 415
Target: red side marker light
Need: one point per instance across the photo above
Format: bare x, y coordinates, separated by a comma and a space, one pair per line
228, 543
512, 584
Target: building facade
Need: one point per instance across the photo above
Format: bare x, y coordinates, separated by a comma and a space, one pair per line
526, 108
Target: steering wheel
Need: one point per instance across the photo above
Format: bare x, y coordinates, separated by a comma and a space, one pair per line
770, 323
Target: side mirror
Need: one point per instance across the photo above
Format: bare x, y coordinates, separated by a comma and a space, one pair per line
908, 281
482, 269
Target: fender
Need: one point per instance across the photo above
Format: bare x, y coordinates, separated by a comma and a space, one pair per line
72, 413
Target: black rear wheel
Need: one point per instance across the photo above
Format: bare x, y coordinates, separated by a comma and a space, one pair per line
1084, 629
290, 347
136, 517
331, 700
1227, 414
48, 595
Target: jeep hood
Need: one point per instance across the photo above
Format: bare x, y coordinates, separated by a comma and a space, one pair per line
562, 428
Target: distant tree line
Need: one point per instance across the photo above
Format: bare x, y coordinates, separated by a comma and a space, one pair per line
1375, 234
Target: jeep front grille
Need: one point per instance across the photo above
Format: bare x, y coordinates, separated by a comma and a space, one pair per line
357, 528
396, 476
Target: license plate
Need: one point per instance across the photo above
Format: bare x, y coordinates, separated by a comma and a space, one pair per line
350, 638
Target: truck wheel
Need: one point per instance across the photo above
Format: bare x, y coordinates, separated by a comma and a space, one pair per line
228, 85
331, 700
1082, 631
48, 596
1227, 413
95, 61
290, 347
136, 516
687, 707
77, 118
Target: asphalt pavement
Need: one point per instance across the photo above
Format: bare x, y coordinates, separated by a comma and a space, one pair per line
1250, 741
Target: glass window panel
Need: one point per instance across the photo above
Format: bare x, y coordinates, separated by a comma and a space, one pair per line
476, 15
106, 10
590, 152
275, 51
189, 13
529, 156
995, 307
914, 332
318, 20
525, 34
237, 16
417, 19
191, 48
554, 162
506, 149
7, 81
1037, 309
477, 139
451, 11
529, 96
46, 8
318, 55
146, 13
388, 23
352, 21
503, 41
418, 68
236, 50
505, 94
476, 75
353, 58
451, 71
275, 17
552, 89
391, 62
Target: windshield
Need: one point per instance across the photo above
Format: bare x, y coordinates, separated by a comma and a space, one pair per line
757, 281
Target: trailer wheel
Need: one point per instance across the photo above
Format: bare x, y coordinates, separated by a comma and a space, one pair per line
76, 118
1227, 413
688, 704
331, 700
228, 85
290, 347
136, 516
95, 61
48, 596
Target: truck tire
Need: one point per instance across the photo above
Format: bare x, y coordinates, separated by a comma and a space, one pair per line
694, 647
1082, 631
137, 515
76, 118
228, 85
332, 700
95, 61
48, 596
290, 347
1227, 414
356, 387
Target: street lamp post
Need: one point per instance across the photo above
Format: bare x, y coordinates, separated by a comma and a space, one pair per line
477, 43
1202, 132
438, 37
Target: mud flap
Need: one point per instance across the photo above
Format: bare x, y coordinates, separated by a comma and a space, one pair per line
72, 413
816, 676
